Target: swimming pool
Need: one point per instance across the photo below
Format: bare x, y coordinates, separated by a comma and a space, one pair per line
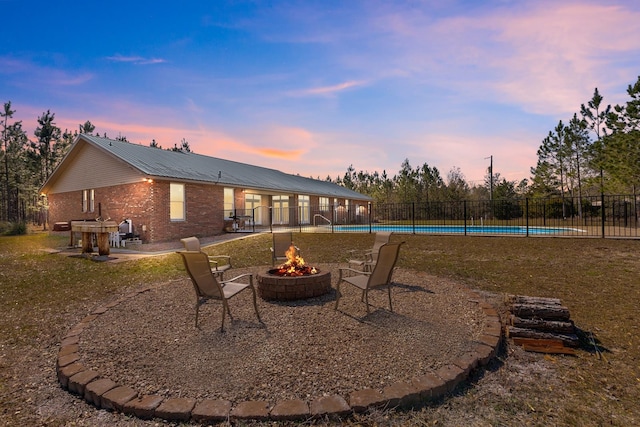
457, 229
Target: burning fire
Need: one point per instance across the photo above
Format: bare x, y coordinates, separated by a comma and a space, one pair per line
294, 265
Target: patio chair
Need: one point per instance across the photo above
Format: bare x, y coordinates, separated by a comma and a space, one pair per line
218, 268
371, 255
207, 287
380, 276
281, 243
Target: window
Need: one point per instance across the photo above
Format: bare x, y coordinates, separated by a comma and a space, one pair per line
176, 202
88, 200
252, 204
323, 204
280, 209
304, 209
228, 203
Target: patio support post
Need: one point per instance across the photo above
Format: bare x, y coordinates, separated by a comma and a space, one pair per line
253, 219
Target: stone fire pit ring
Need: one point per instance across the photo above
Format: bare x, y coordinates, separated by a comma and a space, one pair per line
272, 287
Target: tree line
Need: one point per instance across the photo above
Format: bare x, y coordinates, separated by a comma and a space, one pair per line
26, 164
596, 151
424, 184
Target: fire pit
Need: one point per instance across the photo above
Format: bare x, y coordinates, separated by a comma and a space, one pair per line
293, 280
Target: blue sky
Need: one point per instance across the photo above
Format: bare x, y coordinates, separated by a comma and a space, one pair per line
311, 87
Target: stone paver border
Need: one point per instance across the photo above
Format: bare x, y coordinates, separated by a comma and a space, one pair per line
106, 394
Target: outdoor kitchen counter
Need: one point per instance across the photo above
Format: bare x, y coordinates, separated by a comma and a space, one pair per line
100, 228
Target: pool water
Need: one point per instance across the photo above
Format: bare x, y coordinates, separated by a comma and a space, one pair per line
457, 229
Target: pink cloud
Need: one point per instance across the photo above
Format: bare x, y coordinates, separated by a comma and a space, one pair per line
138, 60
29, 74
329, 90
545, 56
280, 154
558, 53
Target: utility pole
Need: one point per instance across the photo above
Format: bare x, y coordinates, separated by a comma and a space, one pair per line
490, 177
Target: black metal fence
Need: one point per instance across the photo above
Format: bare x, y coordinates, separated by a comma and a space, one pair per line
607, 216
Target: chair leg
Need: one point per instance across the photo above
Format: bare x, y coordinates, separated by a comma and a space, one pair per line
225, 308
338, 295
390, 305
197, 308
255, 304
366, 300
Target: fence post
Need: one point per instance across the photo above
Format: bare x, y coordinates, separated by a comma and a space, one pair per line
333, 217
464, 214
370, 216
635, 208
602, 213
626, 212
271, 218
413, 216
526, 212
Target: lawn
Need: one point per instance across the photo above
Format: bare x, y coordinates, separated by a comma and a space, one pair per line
43, 294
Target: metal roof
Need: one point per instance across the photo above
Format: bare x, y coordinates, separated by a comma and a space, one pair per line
196, 167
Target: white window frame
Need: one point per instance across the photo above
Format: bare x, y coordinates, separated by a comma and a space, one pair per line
280, 209
229, 202
304, 208
323, 204
251, 204
88, 200
177, 201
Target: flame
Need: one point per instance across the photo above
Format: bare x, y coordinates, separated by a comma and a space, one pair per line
294, 265
292, 257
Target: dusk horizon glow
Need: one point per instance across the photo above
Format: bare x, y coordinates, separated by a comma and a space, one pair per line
311, 88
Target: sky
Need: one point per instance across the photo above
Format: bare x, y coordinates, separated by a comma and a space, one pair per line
312, 87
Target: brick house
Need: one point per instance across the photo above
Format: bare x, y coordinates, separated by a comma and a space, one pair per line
169, 195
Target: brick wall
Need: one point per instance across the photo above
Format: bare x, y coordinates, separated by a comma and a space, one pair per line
147, 205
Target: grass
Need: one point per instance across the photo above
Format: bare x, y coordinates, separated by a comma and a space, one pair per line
42, 295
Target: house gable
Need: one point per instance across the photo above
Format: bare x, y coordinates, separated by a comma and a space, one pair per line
90, 167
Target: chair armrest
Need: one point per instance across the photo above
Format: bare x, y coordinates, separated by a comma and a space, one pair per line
213, 259
362, 253
239, 277
352, 270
